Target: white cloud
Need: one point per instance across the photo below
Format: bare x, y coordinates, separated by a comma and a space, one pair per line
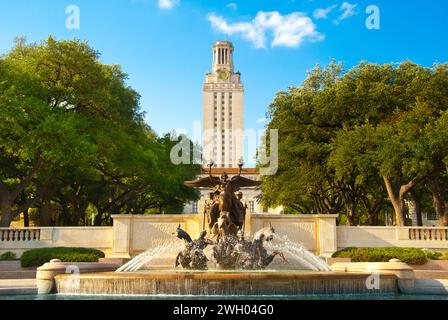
288, 30
167, 4
349, 10
323, 13
232, 5
261, 120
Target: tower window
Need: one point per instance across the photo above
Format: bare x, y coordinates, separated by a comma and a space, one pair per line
251, 205
195, 206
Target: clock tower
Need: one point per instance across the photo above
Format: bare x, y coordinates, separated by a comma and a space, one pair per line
223, 108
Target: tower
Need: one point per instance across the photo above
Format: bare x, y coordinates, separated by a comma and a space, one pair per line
223, 108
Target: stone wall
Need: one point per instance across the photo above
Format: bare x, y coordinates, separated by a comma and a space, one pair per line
132, 235
18, 240
418, 237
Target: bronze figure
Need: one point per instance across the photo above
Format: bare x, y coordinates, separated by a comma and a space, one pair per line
224, 199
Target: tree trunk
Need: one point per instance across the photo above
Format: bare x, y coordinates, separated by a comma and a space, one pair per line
8, 197
26, 219
99, 218
440, 204
397, 203
397, 197
45, 214
418, 212
7, 214
350, 215
373, 218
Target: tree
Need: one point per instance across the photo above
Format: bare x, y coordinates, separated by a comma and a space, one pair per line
354, 164
343, 135
72, 135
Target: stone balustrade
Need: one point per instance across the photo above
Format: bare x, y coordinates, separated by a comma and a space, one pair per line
428, 233
369, 236
18, 240
22, 234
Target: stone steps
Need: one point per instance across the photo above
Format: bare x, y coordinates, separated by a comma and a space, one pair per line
13, 270
9, 265
18, 274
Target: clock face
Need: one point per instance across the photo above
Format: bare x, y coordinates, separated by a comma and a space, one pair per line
223, 74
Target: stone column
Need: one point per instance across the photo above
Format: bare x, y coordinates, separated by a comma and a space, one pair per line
46, 235
219, 127
326, 234
248, 223
226, 130
122, 231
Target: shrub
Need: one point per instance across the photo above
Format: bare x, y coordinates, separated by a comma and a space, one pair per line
433, 255
407, 255
8, 256
37, 257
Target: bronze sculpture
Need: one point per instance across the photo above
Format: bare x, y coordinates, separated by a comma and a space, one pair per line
192, 257
225, 215
224, 199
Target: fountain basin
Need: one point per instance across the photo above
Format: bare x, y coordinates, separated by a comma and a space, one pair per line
233, 283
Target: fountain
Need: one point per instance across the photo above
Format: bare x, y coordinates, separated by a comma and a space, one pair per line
223, 261
225, 216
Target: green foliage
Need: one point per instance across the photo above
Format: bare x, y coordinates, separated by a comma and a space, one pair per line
343, 134
73, 141
407, 255
436, 255
444, 256
8, 256
433, 255
37, 257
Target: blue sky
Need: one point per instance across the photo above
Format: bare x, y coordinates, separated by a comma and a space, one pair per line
165, 45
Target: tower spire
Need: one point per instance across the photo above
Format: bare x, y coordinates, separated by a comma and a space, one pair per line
222, 56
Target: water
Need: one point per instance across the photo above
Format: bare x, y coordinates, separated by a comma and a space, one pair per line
145, 258
295, 252
298, 257
253, 298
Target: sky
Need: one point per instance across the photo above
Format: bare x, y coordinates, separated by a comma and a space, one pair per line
165, 45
